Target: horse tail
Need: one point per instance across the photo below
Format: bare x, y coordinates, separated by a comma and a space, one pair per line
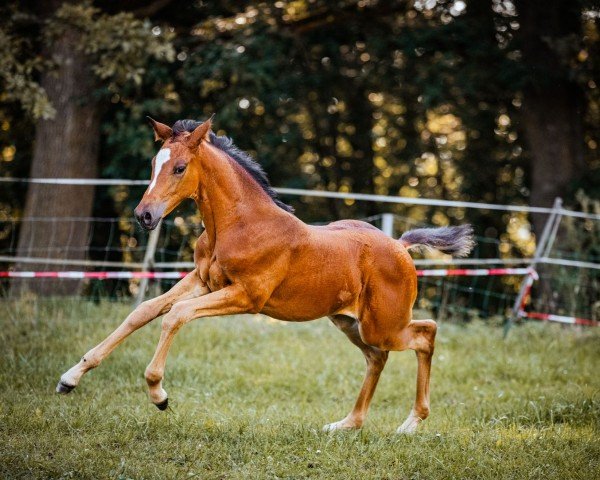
456, 241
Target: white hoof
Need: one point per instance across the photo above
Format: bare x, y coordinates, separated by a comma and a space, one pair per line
341, 425
71, 377
158, 397
410, 425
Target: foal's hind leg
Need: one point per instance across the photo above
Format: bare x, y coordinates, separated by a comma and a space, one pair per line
189, 287
419, 335
375, 362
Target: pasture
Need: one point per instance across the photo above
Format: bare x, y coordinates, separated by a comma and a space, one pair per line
249, 395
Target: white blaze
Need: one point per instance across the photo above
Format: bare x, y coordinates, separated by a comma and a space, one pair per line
162, 157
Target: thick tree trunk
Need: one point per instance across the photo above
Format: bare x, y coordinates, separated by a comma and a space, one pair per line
552, 101
552, 124
55, 222
552, 110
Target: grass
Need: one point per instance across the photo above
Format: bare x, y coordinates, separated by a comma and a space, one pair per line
249, 396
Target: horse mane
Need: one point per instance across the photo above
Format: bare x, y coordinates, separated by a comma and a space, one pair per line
243, 159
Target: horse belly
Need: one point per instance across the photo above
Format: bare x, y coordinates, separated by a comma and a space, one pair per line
296, 310
308, 297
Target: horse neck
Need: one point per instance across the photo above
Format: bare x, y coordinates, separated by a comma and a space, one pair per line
227, 196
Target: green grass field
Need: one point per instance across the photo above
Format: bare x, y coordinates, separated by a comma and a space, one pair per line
248, 397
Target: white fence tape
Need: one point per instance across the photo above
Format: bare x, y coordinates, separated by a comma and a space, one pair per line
323, 194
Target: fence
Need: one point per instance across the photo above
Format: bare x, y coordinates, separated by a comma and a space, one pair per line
168, 249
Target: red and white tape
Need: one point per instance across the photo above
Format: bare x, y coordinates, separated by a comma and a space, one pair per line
475, 272
95, 275
547, 317
479, 272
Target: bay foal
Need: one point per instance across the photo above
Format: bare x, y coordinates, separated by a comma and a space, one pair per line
255, 256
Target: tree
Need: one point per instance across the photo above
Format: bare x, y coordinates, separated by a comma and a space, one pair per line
553, 99
87, 53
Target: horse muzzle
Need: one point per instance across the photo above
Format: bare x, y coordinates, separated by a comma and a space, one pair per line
148, 216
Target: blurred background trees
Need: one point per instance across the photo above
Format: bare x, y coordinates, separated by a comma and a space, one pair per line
493, 101
71, 52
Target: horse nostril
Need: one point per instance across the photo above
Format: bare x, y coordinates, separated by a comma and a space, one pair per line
147, 218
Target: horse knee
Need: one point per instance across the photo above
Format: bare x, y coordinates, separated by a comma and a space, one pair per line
174, 319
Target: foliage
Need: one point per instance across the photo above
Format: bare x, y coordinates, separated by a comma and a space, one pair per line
249, 397
120, 44
421, 98
383, 97
17, 78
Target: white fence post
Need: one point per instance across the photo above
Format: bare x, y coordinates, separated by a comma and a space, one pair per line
544, 245
553, 233
387, 224
148, 262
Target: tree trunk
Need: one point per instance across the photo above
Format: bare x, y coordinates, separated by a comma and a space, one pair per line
552, 110
552, 124
363, 168
56, 218
552, 100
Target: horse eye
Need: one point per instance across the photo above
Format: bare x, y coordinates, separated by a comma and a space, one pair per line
179, 169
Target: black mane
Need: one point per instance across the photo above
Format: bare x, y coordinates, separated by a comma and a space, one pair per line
242, 158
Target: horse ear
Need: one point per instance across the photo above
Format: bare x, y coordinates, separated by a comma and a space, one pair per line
161, 131
200, 133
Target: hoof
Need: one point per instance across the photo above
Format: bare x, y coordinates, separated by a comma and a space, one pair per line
163, 405
340, 426
410, 425
64, 388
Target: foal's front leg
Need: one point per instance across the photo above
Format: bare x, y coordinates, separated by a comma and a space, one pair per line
228, 301
189, 287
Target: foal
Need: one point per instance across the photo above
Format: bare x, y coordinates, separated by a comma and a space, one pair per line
255, 256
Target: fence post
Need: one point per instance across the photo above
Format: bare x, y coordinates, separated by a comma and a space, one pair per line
553, 233
148, 262
387, 224
544, 245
